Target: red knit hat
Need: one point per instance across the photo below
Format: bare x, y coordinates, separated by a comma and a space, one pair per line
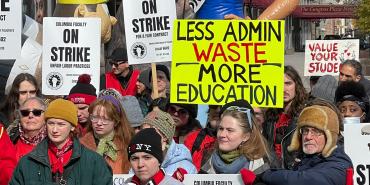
83, 92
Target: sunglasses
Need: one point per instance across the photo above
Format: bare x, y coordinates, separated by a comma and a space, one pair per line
180, 112
113, 63
35, 112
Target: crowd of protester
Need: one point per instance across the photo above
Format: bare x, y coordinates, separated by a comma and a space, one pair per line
85, 137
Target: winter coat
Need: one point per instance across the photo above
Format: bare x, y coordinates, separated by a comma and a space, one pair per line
178, 156
7, 157
89, 142
287, 158
314, 169
21, 148
201, 144
85, 167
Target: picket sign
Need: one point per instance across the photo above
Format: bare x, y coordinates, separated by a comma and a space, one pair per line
194, 179
357, 147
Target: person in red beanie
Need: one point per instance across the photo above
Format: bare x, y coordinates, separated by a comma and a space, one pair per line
7, 157
82, 95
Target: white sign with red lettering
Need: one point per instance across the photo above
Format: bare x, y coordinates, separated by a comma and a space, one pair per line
323, 57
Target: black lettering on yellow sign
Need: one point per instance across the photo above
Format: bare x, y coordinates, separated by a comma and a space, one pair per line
196, 30
262, 95
245, 80
236, 73
4, 6
263, 31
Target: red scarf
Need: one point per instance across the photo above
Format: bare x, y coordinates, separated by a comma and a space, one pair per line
59, 157
156, 179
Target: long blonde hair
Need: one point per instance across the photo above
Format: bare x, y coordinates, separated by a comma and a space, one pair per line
255, 147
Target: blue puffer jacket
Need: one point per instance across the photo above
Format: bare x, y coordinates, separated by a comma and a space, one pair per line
313, 170
178, 156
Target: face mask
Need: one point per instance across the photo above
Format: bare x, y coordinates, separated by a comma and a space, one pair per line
351, 120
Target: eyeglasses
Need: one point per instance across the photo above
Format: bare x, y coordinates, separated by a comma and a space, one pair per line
25, 92
35, 112
314, 131
96, 119
180, 112
113, 63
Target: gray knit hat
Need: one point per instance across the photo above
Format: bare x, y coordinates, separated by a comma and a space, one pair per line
325, 88
161, 121
133, 111
145, 78
130, 105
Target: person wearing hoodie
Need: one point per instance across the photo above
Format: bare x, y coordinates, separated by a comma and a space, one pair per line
175, 155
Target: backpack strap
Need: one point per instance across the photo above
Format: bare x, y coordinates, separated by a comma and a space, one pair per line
198, 141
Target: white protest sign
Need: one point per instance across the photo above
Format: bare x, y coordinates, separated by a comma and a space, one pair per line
357, 147
323, 57
213, 179
148, 28
10, 28
119, 179
71, 47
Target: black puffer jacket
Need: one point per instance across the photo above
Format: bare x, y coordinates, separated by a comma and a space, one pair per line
272, 116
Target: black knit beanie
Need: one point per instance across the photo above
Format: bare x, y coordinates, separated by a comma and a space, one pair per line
148, 141
83, 92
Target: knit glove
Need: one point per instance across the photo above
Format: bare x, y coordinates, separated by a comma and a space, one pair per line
179, 174
248, 176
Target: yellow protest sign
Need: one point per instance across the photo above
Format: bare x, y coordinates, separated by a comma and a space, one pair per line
219, 61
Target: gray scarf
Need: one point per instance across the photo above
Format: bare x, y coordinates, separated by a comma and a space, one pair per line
232, 168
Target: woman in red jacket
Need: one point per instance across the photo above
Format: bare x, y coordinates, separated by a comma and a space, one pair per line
7, 157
